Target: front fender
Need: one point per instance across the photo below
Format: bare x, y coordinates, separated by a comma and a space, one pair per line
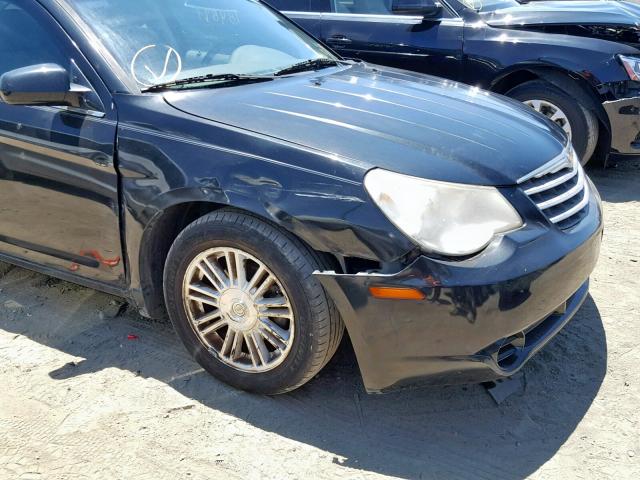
495, 52
330, 218
192, 161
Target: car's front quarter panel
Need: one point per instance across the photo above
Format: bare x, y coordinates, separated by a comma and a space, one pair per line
491, 52
496, 55
316, 197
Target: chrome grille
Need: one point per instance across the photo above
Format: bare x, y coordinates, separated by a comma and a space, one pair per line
559, 189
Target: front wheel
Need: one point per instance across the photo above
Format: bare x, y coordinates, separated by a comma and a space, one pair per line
579, 123
242, 297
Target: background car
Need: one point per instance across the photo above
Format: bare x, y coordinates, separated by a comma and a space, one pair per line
578, 63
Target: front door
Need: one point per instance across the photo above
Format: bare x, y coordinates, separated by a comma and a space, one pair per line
306, 13
368, 29
58, 183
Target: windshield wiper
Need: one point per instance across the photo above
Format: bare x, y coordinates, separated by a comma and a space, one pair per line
313, 64
223, 77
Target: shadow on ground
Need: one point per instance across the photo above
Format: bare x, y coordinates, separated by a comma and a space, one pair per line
620, 183
430, 433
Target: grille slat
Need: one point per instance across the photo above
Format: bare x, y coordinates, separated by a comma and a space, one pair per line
572, 211
552, 183
572, 192
559, 189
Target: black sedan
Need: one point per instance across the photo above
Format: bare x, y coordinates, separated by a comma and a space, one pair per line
208, 159
577, 62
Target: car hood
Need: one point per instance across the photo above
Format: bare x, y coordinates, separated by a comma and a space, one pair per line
404, 122
611, 13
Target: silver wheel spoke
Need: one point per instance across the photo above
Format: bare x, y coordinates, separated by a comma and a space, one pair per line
256, 278
535, 104
277, 313
253, 350
558, 115
273, 302
207, 318
264, 286
203, 299
239, 309
236, 351
552, 112
241, 273
231, 267
204, 290
263, 352
272, 339
276, 307
274, 333
213, 327
215, 275
228, 343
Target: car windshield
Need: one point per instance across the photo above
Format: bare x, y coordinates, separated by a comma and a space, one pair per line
489, 5
160, 41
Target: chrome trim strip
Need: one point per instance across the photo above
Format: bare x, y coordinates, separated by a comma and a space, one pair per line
563, 160
83, 111
572, 211
569, 194
94, 114
370, 18
553, 183
304, 15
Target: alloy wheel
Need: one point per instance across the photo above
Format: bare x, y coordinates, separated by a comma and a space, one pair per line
553, 112
239, 309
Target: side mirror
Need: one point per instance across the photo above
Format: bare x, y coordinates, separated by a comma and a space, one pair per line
45, 84
424, 8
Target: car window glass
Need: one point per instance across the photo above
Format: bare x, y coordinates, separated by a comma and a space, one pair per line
291, 5
320, 5
91, 99
23, 41
301, 5
159, 41
373, 7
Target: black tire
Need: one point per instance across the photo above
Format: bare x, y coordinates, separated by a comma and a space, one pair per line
318, 326
583, 121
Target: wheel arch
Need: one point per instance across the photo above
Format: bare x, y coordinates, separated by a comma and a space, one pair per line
573, 82
164, 228
157, 238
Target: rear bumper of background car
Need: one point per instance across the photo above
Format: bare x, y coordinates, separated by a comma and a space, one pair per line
475, 323
624, 116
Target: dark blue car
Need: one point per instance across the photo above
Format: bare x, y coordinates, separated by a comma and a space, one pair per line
210, 160
577, 62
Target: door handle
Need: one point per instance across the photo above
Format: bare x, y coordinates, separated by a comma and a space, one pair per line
339, 40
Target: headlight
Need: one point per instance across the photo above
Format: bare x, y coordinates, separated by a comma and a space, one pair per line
446, 218
632, 65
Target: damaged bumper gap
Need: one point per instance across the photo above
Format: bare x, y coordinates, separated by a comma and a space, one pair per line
458, 331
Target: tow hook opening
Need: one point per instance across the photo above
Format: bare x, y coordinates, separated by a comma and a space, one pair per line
507, 354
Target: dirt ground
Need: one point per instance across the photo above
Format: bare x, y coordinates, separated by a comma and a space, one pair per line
82, 399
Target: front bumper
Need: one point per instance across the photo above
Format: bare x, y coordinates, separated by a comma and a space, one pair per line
481, 319
624, 116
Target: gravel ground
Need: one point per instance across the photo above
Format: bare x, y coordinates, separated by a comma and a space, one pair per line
82, 398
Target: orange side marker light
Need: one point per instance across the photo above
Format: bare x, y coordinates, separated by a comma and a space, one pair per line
396, 293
